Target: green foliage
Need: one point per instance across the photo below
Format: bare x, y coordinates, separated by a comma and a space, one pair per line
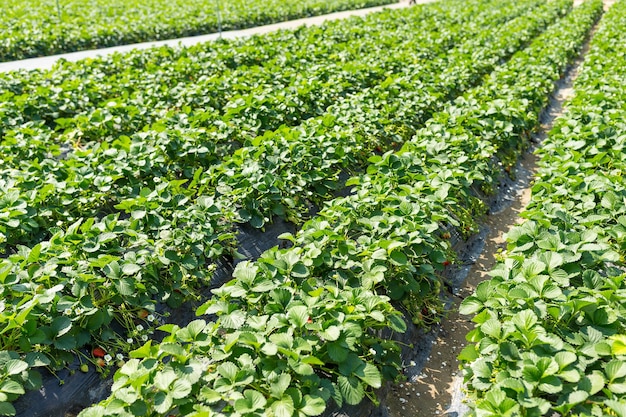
550, 325
239, 138
34, 28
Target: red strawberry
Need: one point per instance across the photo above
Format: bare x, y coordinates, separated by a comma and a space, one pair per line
446, 262
98, 352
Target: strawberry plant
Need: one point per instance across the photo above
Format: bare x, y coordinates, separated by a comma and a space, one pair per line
153, 161
38, 28
380, 239
90, 276
549, 323
300, 326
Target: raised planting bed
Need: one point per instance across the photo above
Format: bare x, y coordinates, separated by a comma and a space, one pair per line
39, 27
550, 336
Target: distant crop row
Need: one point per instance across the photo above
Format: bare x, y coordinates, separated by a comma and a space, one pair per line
99, 226
301, 326
550, 331
38, 28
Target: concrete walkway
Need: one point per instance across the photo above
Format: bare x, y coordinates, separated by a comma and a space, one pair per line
47, 62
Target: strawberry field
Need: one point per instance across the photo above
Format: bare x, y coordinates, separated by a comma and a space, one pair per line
551, 329
127, 181
45, 27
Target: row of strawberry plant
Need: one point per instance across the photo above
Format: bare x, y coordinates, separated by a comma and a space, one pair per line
61, 315
81, 88
37, 28
162, 208
550, 332
65, 176
381, 117
301, 326
235, 104
248, 100
59, 191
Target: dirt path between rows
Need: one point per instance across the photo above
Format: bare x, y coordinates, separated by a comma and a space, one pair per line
438, 389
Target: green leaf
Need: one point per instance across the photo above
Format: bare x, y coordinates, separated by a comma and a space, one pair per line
312, 360
300, 367
36, 359
617, 388
471, 305
252, 401
615, 369
246, 272
482, 368
125, 286
209, 395
492, 327
592, 383
619, 407
10, 386
15, 366
337, 351
577, 397
257, 221
351, 364
468, 354
127, 394
398, 257
619, 344
228, 370
130, 269
61, 325
551, 384
189, 262
351, 389
93, 411
609, 200
196, 327
299, 270
370, 376
162, 402
138, 214
331, 333
298, 315
283, 407
565, 358
512, 383
180, 389
65, 342
279, 385
7, 409
524, 320
113, 270
397, 323
172, 349
312, 406
233, 320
